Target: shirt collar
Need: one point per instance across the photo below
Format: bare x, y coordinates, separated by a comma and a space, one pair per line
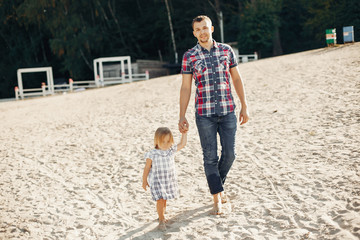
200, 48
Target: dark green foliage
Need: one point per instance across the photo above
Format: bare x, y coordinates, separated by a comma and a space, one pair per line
258, 22
69, 34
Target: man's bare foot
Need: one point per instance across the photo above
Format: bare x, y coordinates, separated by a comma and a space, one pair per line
217, 209
223, 197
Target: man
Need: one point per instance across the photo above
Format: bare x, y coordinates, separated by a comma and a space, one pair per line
211, 64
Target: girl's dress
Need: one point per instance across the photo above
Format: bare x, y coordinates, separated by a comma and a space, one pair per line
162, 176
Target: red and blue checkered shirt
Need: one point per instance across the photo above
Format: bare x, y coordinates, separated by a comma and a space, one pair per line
211, 72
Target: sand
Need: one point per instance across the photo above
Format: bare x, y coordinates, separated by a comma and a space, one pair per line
71, 165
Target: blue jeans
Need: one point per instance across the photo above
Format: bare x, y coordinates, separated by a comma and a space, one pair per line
215, 169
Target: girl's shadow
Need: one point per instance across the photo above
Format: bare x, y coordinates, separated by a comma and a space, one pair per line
175, 223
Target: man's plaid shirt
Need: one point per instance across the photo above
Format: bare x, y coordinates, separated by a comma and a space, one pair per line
211, 72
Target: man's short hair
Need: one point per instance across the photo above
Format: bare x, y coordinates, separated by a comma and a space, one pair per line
200, 18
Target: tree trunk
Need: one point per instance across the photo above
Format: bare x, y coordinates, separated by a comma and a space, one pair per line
118, 25
219, 16
139, 6
277, 49
90, 66
172, 31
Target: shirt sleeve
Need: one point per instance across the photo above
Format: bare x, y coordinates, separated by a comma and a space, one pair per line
173, 149
186, 66
233, 58
148, 155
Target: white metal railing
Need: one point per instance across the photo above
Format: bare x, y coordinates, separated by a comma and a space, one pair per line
21, 92
124, 78
248, 57
33, 92
140, 76
51, 88
84, 84
63, 87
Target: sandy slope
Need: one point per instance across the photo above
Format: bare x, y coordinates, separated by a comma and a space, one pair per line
71, 165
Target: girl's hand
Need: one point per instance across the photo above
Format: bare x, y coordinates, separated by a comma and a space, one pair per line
145, 184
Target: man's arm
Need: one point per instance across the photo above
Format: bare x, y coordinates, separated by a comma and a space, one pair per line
185, 93
240, 91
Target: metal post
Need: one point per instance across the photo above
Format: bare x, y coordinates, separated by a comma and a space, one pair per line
101, 73
21, 90
96, 76
129, 69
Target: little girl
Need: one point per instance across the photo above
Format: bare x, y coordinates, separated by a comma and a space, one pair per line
159, 173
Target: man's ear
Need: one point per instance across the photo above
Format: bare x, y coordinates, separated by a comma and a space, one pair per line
212, 29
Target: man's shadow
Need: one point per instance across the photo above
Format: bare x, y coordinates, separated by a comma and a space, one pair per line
180, 220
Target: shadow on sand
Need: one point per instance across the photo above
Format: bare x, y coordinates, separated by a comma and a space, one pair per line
176, 222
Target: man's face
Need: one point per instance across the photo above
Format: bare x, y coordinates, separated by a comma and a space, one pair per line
203, 31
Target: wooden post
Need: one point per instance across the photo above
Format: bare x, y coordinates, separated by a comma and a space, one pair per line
43, 86
16, 93
71, 84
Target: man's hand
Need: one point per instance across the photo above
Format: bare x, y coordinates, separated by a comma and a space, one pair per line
244, 116
183, 125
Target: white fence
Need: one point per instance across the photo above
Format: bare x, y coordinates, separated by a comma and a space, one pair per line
123, 74
20, 92
248, 57
84, 84
124, 78
43, 91
32, 92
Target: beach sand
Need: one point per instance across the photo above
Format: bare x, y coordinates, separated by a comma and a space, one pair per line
71, 165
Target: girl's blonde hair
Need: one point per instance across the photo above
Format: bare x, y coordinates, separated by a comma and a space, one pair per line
160, 134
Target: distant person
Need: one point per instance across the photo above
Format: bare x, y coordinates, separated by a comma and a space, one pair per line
159, 172
211, 64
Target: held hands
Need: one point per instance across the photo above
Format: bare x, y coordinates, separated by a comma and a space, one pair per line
183, 125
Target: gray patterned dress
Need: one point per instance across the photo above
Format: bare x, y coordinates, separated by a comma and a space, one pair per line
162, 176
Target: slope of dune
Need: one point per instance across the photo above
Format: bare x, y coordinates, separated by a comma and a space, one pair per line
71, 165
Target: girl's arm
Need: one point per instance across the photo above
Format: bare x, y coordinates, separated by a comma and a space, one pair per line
182, 141
146, 173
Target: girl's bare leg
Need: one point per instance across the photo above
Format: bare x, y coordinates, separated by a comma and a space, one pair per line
160, 207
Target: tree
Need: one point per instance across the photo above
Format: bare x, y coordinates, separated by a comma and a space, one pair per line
171, 30
326, 14
68, 35
259, 25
